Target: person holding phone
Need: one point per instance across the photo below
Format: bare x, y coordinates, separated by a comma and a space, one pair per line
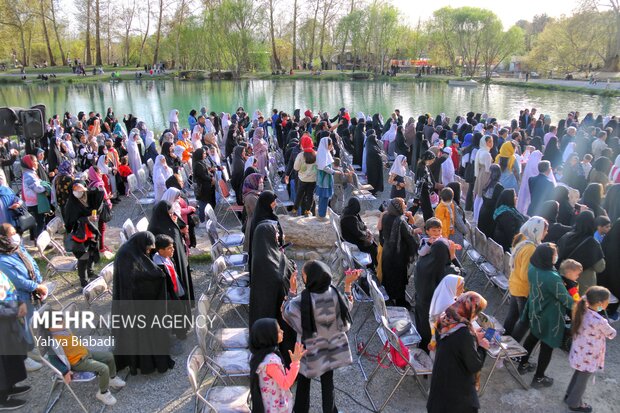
461, 351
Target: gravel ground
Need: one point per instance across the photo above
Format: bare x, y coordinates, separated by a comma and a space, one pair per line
170, 392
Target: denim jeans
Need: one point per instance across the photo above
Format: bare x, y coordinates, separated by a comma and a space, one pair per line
323, 203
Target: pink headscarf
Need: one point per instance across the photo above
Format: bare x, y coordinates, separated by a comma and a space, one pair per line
94, 179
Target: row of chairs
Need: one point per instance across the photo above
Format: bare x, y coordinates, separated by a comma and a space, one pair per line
490, 259
218, 367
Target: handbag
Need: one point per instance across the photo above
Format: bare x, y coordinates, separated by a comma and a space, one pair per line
23, 219
105, 215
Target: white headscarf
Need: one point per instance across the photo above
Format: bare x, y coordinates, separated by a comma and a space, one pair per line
323, 156
398, 168
248, 163
530, 170
172, 195
570, 149
447, 168
444, 295
360, 115
173, 116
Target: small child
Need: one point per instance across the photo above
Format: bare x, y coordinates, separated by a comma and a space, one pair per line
570, 271
99, 362
270, 383
123, 172
446, 212
433, 228
164, 245
603, 226
587, 352
585, 163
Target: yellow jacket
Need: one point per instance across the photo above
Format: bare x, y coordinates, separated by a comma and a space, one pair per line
518, 283
447, 222
71, 346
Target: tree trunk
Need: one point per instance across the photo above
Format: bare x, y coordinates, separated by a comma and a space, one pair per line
55, 27
89, 56
146, 32
346, 35
180, 19
322, 42
295, 35
158, 35
316, 13
274, 52
108, 38
46, 35
98, 59
24, 52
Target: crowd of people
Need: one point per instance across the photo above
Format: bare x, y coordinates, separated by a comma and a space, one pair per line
546, 191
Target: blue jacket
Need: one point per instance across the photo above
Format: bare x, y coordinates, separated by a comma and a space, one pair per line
541, 190
15, 269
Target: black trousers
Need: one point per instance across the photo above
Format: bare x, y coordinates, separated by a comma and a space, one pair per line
544, 355
40, 219
305, 196
302, 397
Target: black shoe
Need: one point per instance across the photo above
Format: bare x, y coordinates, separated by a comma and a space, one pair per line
83, 282
526, 367
540, 382
586, 408
12, 404
18, 390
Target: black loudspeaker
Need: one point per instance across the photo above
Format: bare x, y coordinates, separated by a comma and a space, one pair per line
8, 121
33, 125
41, 107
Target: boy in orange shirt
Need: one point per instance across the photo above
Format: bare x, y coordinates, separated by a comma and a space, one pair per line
82, 359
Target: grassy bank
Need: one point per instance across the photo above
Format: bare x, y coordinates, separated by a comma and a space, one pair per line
562, 88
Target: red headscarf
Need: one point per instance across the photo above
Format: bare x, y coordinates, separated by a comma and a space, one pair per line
28, 161
347, 116
306, 144
308, 113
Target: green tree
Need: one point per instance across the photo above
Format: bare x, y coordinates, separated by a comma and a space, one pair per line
498, 45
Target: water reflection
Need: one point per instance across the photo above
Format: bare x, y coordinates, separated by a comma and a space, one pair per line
153, 100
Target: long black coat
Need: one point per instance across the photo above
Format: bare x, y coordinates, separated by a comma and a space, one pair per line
396, 258
374, 164
453, 384
137, 278
358, 143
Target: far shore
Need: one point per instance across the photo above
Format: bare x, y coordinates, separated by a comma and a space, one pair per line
63, 75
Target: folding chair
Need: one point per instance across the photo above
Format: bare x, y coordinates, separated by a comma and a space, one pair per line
214, 398
418, 364
107, 273
228, 204
502, 348
59, 264
211, 336
55, 226
283, 201
128, 228
232, 260
123, 238
142, 225
494, 268
132, 183
396, 317
49, 348
94, 291
229, 240
222, 277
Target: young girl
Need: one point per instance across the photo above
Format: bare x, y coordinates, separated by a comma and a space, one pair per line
587, 353
270, 383
446, 212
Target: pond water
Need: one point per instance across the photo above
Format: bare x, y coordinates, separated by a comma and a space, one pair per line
152, 100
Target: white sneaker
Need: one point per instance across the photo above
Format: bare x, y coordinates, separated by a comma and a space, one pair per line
117, 383
32, 365
106, 398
